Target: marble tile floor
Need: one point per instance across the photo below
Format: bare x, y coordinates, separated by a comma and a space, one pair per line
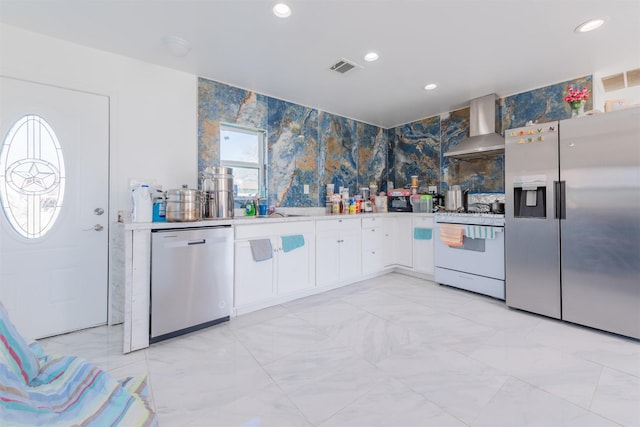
389, 351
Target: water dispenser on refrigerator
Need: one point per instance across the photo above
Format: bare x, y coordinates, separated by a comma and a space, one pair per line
530, 196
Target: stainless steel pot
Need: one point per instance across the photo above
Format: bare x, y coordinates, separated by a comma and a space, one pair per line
453, 200
183, 205
497, 207
218, 199
456, 199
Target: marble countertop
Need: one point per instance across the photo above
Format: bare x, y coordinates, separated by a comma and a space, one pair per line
289, 216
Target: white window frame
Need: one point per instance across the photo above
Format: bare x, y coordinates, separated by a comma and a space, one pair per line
260, 165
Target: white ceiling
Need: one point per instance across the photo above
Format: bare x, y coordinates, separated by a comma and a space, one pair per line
470, 48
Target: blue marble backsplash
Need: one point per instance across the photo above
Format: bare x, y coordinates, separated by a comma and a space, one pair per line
306, 146
478, 175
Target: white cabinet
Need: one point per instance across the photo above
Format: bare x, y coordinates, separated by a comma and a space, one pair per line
294, 270
373, 241
285, 273
398, 238
405, 240
389, 242
253, 281
338, 249
423, 235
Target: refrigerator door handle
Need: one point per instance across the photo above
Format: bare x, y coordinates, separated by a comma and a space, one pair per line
560, 199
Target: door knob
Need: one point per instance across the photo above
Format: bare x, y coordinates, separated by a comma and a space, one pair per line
97, 227
98, 211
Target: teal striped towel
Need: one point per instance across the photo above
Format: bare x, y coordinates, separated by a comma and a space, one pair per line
422, 233
290, 243
479, 232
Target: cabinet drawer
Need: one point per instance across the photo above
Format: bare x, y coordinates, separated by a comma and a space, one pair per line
372, 238
267, 229
372, 261
341, 224
371, 222
423, 221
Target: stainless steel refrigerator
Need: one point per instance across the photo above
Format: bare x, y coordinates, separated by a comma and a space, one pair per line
572, 220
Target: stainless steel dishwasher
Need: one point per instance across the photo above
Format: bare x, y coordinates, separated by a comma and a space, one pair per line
191, 279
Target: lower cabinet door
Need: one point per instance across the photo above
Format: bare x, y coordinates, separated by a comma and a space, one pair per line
253, 280
390, 243
327, 258
294, 268
423, 261
372, 244
404, 239
350, 249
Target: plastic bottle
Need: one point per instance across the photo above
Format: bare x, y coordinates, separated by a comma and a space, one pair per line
159, 209
250, 208
142, 207
352, 205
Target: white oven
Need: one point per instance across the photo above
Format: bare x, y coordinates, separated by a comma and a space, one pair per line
475, 261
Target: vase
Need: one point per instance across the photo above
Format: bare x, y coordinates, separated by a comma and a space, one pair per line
577, 109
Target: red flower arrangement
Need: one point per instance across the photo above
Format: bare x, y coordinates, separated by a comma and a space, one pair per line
576, 96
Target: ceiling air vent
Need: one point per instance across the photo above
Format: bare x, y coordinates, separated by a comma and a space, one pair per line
343, 66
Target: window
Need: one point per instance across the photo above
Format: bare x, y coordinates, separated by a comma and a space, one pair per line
242, 149
32, 176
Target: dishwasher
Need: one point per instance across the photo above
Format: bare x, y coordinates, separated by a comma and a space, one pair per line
191, 280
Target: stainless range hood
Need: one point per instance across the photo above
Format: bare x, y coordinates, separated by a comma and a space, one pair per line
483, 139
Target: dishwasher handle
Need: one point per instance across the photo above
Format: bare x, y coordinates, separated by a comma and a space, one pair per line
197, 242
174, 241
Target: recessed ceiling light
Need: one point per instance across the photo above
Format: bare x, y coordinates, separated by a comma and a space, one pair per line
589, 25
281, 10
430, 86
371, 56
177, 46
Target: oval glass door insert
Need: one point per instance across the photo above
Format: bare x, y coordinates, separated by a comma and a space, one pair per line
32, 176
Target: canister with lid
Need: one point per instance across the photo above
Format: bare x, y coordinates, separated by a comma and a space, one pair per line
183, 205
218, 197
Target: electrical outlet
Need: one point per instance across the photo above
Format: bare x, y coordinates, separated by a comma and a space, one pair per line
306, 189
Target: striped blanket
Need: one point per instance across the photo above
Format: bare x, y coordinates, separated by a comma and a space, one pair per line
63, 390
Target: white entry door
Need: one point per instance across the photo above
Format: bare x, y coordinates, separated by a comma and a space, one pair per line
54, 166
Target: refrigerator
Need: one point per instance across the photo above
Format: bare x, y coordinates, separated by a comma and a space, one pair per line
572, 220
